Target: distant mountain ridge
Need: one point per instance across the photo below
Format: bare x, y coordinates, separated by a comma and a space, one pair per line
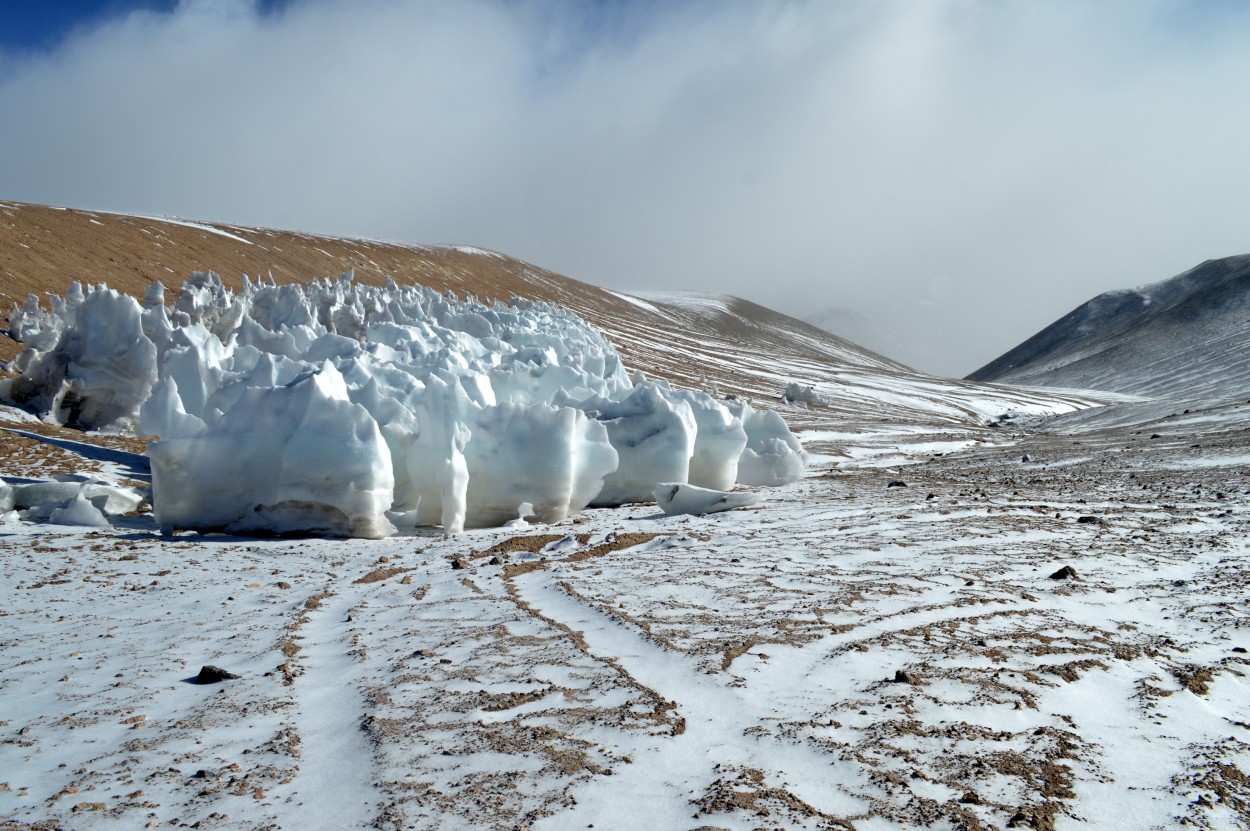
1186, 336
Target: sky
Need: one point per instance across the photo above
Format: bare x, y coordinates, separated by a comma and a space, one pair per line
958, 173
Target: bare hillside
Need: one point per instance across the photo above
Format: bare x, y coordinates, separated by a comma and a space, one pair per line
43, 249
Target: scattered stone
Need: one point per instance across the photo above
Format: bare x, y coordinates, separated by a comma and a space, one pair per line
89, 806
1065, 573
897, 483
213, 675
904, 677
1195, 679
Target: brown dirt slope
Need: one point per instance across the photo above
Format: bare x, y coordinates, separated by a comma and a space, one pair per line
43, 249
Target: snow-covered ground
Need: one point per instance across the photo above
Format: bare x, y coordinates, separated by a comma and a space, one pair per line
880, 645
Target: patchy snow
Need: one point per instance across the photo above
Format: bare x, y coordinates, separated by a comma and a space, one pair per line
850, 653
983, 606
636, 301
212, 229
693, 301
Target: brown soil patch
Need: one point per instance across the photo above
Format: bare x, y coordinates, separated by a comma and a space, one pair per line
616, 543
527, 543
379, 574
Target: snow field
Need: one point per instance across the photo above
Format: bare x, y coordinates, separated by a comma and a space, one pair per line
884, 657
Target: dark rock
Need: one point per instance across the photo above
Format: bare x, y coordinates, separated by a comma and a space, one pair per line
459, 563
970, 798
495, 561
1089, 520
1241, 650
904, 677
213, 675
1026, 458
897, 483
1065, 573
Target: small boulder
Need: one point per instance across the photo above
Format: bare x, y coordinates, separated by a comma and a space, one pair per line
1065, 573
213, 675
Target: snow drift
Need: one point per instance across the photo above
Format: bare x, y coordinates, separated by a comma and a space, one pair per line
341, 409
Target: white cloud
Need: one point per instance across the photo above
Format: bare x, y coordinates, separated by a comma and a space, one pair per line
963, 171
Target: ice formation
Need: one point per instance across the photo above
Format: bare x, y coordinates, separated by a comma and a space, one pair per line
797, 393
773, 455
89, 502
680, 498
341, 409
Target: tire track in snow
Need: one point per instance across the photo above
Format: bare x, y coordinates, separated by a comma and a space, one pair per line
670, 772
334, 787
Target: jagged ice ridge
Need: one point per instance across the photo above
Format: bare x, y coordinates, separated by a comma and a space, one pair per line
343, 409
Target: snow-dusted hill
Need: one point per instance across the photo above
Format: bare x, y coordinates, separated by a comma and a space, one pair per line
1186, 337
